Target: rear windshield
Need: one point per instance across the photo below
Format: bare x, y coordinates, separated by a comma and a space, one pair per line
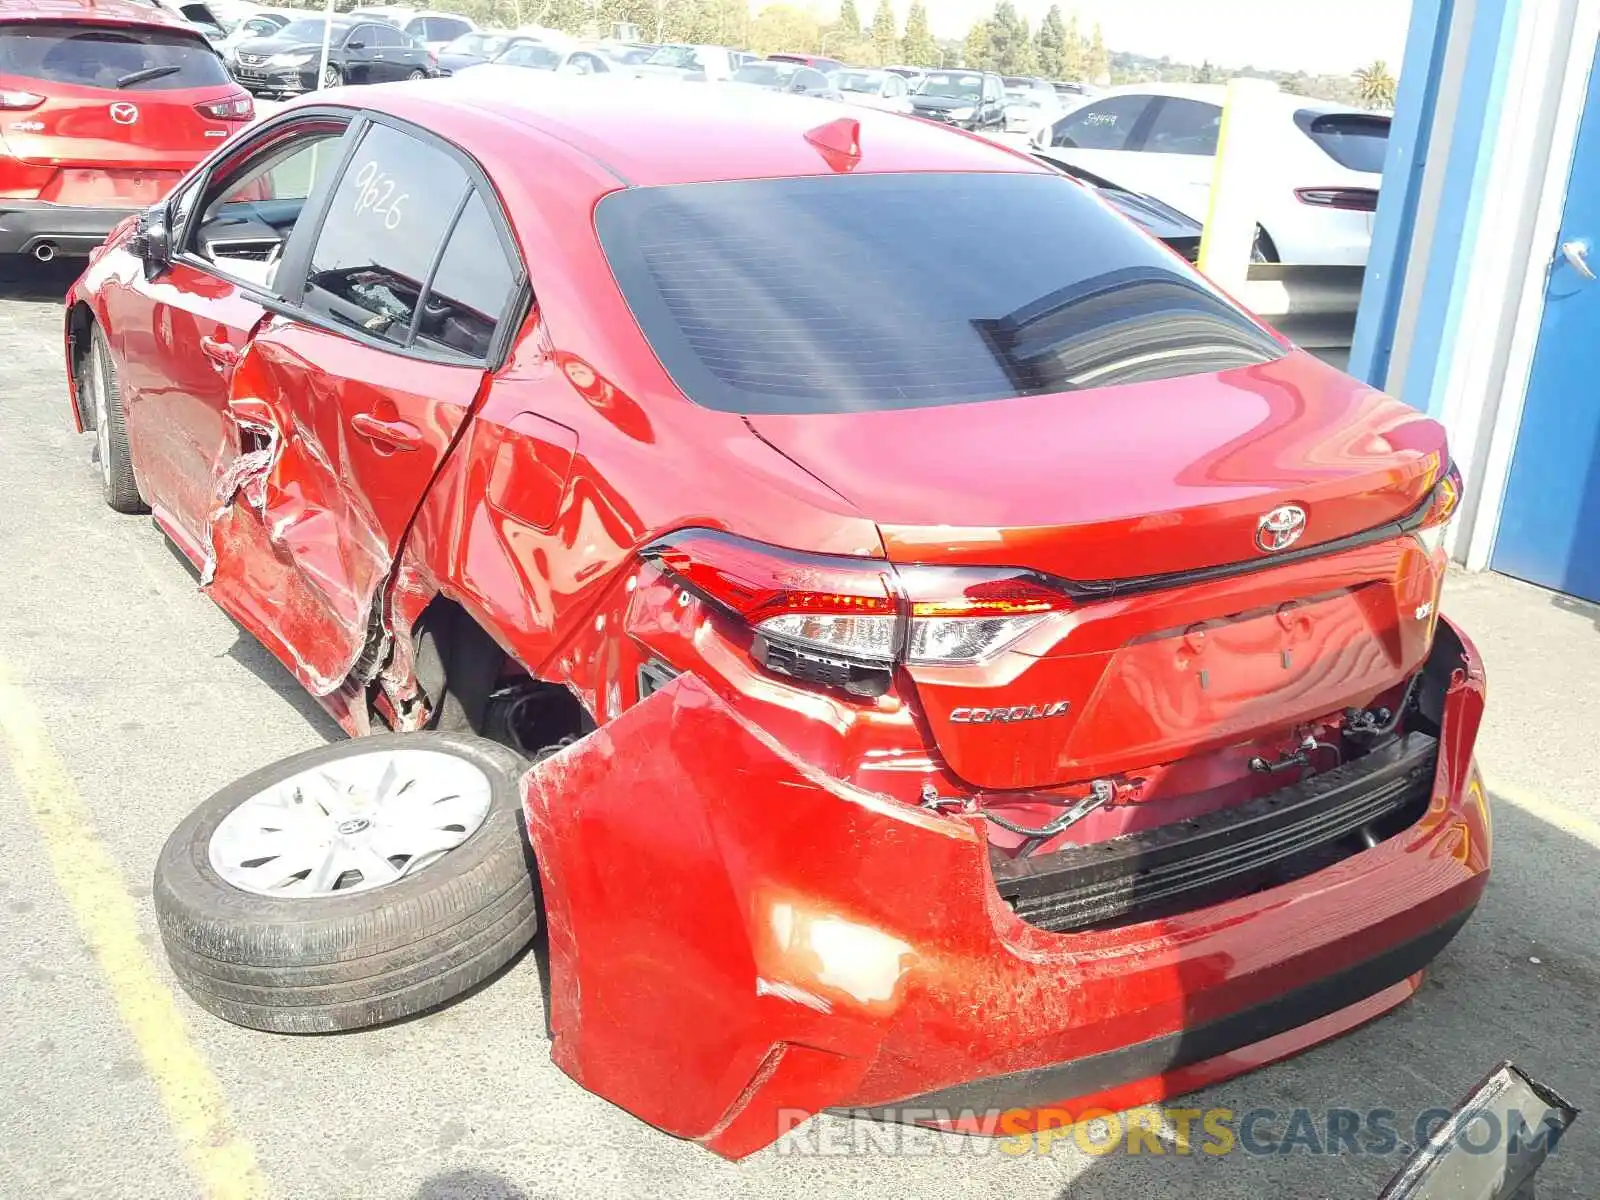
847, 293
122, 58
767, 74
1353, 140
307, 29
531, 54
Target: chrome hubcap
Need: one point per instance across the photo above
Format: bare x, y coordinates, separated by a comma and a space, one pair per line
351, 825
102, 417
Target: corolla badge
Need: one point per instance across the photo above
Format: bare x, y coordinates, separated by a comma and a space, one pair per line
124, 114
1019, 712
1280, 528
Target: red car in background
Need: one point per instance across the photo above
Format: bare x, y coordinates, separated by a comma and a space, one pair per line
969, 663
818, 61
104, 105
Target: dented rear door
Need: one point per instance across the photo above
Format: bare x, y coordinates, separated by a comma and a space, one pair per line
349, 401
340, 442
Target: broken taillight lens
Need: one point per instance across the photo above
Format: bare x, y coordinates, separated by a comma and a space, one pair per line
1442, 506
824, 614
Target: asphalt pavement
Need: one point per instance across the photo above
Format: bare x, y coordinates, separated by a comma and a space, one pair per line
126, 697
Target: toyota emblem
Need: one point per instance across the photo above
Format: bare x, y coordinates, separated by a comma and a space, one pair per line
1280, 528
124, 114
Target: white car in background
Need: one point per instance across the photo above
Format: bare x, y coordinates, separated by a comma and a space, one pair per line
1030, 104
544, 56
693, 64
872, 88
1325, 165
263, 22
436, 30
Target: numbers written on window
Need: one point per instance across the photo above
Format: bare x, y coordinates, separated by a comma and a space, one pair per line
372, 256
376, 195
409, 252
1105, 125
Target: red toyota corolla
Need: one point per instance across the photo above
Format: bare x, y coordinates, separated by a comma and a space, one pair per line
105, 105
970, 664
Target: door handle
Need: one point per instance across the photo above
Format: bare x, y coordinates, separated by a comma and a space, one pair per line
1577, 255
222, 355
393, 435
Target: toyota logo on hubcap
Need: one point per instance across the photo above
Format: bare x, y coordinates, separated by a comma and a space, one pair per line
1280, 528
124, 114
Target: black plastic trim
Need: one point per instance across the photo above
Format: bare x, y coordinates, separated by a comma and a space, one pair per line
1100, 589
1222, 853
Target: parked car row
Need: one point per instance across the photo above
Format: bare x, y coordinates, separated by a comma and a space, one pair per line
110, 101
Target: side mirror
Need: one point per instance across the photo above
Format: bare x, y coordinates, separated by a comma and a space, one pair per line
152, 242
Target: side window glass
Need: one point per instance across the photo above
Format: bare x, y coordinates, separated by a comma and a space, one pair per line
1104, 125
471, 288
1184, 127
391, 39
248, 218
386, 221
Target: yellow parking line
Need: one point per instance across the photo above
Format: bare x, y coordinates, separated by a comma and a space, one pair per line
222, 1160
1584, 828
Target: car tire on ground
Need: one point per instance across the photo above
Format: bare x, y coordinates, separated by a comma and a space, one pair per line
418, 74
100, 392
343, 954
332, 76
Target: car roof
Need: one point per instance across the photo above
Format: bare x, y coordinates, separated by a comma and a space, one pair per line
108, 12
651, 132
1217, 93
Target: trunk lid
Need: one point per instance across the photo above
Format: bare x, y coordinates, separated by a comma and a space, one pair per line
1118, 485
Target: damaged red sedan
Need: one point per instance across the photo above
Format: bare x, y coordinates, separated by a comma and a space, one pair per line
969, 664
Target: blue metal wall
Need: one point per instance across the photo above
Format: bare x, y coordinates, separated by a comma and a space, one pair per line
1472, 105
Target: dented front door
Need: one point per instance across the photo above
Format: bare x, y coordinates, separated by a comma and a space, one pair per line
337, 442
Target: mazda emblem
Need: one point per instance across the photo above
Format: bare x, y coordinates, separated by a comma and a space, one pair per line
1280, 528
124, 114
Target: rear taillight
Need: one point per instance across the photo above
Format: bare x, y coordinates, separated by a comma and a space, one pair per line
235, 108
847, 621
1350, 199
1441, 507
20, 101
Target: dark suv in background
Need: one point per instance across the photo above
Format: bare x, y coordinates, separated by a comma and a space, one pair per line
966, 99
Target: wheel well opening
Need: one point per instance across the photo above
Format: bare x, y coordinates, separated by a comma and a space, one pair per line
80, 320
474, 686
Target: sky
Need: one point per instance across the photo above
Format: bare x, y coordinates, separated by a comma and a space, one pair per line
1317, 36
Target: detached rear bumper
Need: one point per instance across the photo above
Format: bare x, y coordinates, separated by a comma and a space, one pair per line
737, 941
27, 224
